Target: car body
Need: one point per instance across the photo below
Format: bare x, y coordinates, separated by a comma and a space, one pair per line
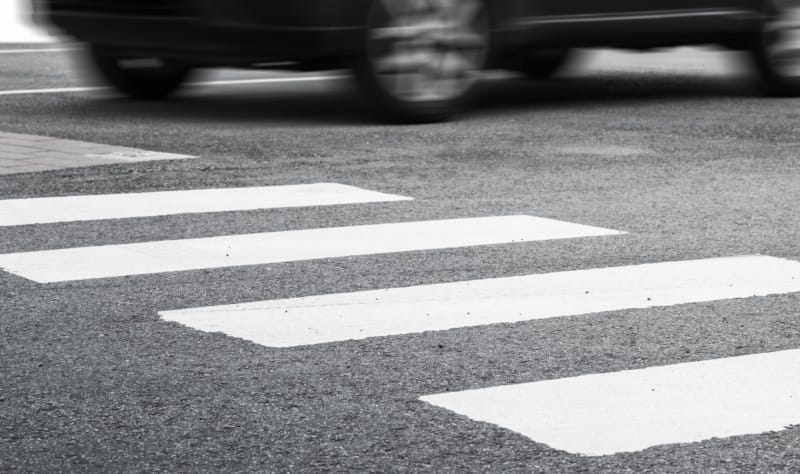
417, 59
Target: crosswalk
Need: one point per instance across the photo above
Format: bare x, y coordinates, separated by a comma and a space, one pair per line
598, 414
345, 316
626, 411
14, 212
273, 247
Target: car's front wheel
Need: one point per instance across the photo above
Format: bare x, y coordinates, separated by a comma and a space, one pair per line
776, 48
422, 57
141, 78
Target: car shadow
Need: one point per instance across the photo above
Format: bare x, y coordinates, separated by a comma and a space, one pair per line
605, 88
333, 101
337, 102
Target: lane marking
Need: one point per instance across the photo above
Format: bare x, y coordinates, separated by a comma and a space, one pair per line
119, 206
603, 414
57, 90
253, 249
232, 82
236, 82
375, 313
37, 50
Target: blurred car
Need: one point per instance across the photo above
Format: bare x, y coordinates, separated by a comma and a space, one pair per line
416, 59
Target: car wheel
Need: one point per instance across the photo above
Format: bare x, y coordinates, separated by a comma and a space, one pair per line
422, 57
141, 78
543, 64
776, 49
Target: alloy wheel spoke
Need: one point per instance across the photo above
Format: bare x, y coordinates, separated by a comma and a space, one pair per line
463, 40
455, 65
403, 62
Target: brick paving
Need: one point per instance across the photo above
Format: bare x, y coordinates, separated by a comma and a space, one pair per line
30, 153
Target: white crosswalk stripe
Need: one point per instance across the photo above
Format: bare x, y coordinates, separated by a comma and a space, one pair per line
359, 315
602, 414
117, 206
273, 247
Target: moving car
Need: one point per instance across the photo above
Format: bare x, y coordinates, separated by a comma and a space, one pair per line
416, 59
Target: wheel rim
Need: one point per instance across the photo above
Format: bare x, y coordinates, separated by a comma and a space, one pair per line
782, 40
427, 50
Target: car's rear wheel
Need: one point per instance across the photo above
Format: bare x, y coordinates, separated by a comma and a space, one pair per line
422, 57
776, 48
141, 78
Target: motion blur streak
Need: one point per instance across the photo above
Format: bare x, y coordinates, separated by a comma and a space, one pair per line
234, 82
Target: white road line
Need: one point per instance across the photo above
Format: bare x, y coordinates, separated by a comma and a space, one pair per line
359, 315
627, 411
252, 249
58, 90
37, 50
268, 80
233, 82
118, 206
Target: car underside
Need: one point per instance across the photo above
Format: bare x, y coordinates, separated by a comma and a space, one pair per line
417, 59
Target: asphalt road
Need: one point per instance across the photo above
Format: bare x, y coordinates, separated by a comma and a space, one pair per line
692, 163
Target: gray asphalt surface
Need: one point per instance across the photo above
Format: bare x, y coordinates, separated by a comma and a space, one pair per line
692, 165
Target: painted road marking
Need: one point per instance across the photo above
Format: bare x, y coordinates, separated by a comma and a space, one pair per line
602, 414
359, 315
37, 50
252, 249
234, 82
54, 90
119, 206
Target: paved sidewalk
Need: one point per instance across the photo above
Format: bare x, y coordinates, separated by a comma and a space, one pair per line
30, 153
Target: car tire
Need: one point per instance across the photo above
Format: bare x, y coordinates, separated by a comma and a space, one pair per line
139, 78
422, 58
542, 65
776, 49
